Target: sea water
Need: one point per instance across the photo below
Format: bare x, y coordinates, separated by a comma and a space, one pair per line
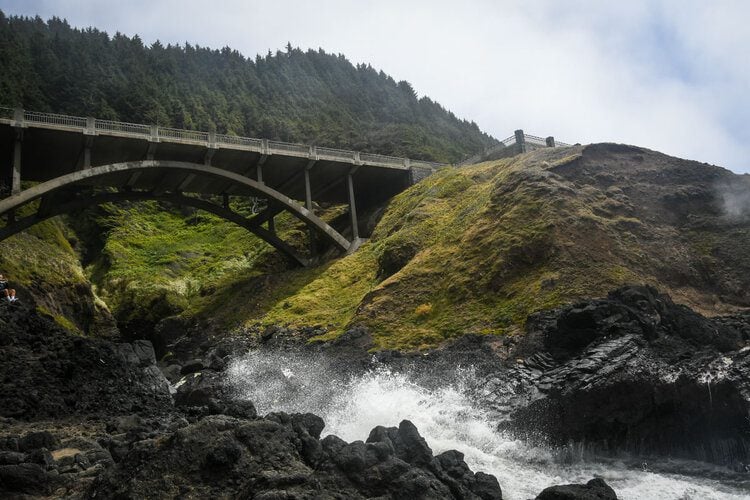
449, 417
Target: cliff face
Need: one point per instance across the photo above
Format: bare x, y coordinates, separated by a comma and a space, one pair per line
44, 267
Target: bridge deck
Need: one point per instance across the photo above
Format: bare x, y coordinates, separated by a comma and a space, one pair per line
54, 145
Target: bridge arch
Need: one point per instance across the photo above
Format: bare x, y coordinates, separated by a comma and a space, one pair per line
73, 184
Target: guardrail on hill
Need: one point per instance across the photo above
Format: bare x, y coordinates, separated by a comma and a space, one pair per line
517, 142
92, 126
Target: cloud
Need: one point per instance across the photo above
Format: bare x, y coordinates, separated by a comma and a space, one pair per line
668, 75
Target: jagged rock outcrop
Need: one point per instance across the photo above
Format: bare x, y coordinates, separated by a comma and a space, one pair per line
282, 456
631, 373
47, 372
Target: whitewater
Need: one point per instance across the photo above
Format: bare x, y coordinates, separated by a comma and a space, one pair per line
448, 416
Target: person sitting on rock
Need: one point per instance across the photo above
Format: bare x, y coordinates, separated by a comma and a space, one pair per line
10, 293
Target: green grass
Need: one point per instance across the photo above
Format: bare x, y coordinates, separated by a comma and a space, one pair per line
152, 253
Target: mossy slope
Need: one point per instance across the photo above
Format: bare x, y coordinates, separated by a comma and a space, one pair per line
477, 249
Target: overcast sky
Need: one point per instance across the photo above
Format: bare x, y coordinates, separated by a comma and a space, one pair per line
671, 75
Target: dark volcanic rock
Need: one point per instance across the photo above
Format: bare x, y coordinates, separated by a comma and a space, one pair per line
29, 478
596, 489
631, 373
48, 372
281, 456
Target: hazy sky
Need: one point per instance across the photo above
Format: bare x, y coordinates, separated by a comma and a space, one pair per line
671, 75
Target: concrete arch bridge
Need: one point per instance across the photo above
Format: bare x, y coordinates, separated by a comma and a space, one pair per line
76, 162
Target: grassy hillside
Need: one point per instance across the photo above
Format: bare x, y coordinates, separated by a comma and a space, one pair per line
477, 249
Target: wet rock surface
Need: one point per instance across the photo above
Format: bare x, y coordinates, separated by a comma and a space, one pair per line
630, 373
282, 456
596, 489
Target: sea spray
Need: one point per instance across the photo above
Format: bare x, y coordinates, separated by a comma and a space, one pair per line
450, 417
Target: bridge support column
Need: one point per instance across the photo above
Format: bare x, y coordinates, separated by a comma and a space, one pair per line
550, 141
352, 204
308, 203
520, 141
259, 177
15, 179
88, 144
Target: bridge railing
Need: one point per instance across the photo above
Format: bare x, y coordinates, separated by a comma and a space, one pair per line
426, 164
335, 154
125, 128
149, 132
288, 147
511, 141
535, 139
183, 135
54, 119
381, 159
235, 140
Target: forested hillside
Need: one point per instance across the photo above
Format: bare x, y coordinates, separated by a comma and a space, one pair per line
297, 96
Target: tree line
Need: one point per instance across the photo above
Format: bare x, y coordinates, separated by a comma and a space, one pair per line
291, 95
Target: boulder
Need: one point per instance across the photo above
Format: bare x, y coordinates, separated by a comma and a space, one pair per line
596, 489
144, 351
192, 366
35, 440
28, 478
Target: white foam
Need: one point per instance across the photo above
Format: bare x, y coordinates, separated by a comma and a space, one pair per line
448, 419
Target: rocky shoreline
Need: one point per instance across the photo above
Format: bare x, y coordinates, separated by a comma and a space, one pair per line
89, 418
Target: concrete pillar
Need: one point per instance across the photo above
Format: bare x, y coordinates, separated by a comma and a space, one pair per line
352, 206
520, 141
89, 142
90, 125
15, 183
308, 202
259, 176
550, 141
308, 191
151, 150
86, 158
209, 156
155, 133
